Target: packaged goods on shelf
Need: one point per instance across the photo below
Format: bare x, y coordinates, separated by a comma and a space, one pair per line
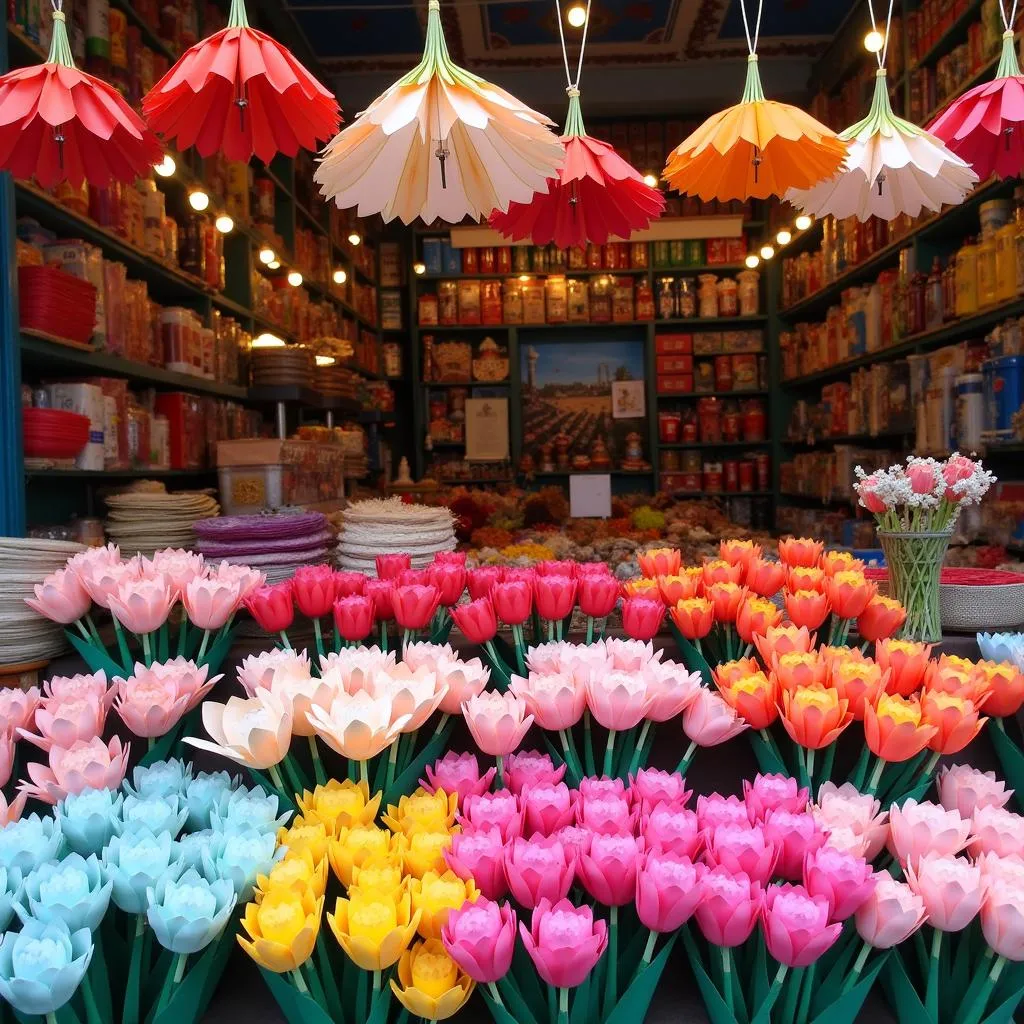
458, 470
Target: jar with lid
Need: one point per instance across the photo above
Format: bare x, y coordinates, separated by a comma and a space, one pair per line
666, 298
448, 302
686, 298
967, 279
600, 300
644, 303
521, 259
512, 300
731, 422
754, 420
987, 270
707, 296
689, 430
749, 292
727, 297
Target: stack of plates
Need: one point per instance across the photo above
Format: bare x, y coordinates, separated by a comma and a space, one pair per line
56, 303
148, 520
291, 364
371, 528
276, 543
26, 637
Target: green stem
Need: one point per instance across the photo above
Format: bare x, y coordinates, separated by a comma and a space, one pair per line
300, 982
609, 751
499, 774
931, 1001
563, 1006
384, 636
389, 777
319, 637
588, 749
805, 996
551, 631
376, 981
145, 650
687, 757
86, 635
826, 771
92, 1011
364, 774
793, 994
977, 1008
202, 647
492, 990
637, 751
810, 769
858, 966
318, 765
611, 981
773, 992
652, 940
857, 777
929, 767
285, 641
876, 775
517, 637
275, 775
727, 979
590, 629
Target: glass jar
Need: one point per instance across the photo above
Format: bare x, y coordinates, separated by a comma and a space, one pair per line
666, 298
707, 296
727, 297
686, 298
749, 292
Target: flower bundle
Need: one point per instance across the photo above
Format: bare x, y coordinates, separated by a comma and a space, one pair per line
173, 851
140, 594
398, 892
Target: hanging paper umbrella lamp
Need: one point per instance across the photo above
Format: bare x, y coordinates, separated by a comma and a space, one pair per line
985, 126
595, 196
240, 93
893, 168
60, 124
439, 143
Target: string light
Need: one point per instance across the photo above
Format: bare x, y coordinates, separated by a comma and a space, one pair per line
224, 224
803, 222
294, 278
651, 180
267, 255
325, 360
576, 16
784, 237
767, 252
419, 268
354, 238
274, 265
874, 41
340, 277
268, 340
752, 260
166, 167
198, 200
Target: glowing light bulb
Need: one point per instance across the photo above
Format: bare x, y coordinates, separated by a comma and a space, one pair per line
166, 167
767, 252
354, 238
274, 265
576, 16
340, 277
294, 278
524, 278
267, 255
784, 237
752, 260
803, 222
325, 360
224, 224
419, 268
874, 41
267, 340
651, 180
198, 200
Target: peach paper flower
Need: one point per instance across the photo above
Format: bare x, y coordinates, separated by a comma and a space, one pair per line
916, 829
498, 722
357, 725
142, 606
85, 764
618, 700
62, 721
177, 565
462, 679
60, 597
255, 732
81, 685
257, 670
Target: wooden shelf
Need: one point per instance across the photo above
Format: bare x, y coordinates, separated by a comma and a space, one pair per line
759, 393
115, 474
683, 446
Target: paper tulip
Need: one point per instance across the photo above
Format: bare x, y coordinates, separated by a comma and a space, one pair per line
607, 868
137, 862
891, 913
18, 707
459, 774
715, 810
354, 846
785, 639
618, 700
64, 721
952, 889
429, 984
729, 909
498, 722
555, 701
142, 606
743, 849
187, 914
795, 924
209, 603
650, 787
479, 856
72, 891
255, 732
30, 842
539, 868
554, 596
997, 831
965, 789
379, 592
894, 729
670, 690
86, 763
153, 814
477, 620
693, 617
548, 808
642, 617
61, 597
531, 768
773, 793
917, 829
564, 942
1005, 690
500, 809
150, 704
668, 890
389, 566
87, 819
357, 725
460, 680
480, 937
435, 895
842, 879
283, 926
905, 661
709, 720
422, 812
243, 808
482, 580
272, 607
354, 616
800, 551
881, 619
512, 601
764, 578
755, 698
726, 599
1002, 920
755, 616
806, 608
374, 928
414, 605
956, 720
42, 965
845, 806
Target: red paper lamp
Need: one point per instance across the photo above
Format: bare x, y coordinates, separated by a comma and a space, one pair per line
58, 123
241, 93
596, 195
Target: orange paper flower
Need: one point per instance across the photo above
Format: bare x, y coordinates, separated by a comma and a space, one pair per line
728, 672
739, 552
882, 618
840, 561
956, 720
860, 682
640, 587
814, 716
718, 570
805, 577
753, 696
894, 730
756, 616
800, 551
906, 662
655, 562
765, 578
779, 640
694, 617
806, 607
726, 599
849, 593
679, 587
1006, 688
800, 668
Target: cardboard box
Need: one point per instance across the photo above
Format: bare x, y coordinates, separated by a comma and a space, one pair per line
707, 343
673, 364
87, 400
674, 384
673, 344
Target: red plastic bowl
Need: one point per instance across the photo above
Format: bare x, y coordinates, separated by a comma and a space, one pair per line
53, 433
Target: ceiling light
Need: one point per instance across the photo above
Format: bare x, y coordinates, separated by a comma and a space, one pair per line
784, 237
419, 268
651, 180
325, 360
198, 200
576, 16
294, 278
274, 264
803, 222
752, 260
354, 238
767, 252
340, 277
166, 167
267, 255
268, 340
224, 224
874, 41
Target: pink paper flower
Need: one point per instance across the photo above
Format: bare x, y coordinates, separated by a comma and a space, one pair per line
84, 684
715, 810
709, 720
18, 707
964, 789
1002, 919
539, 868
464, 679
795, 924
670, 689
618, 700
7, 742
845, 807
498, 722
772, 793
481, 580
952, 889
630, 655
730, 907
177, 565
101, 579
548, 808
742, 849
12, 812
257, 670
564, 942
651, 787
891, 913
61, 597
607, 868
357, 668
531, 768
668, 890
1010, 869
795, 835
142, 606
481, 937
85, 764
188, 678
916, 829
62, 721
555, 700
844, 880
479, 855
598, 786
996, 830
247, 580
154, 699
458, 773
608, 815
209, 603
499, 809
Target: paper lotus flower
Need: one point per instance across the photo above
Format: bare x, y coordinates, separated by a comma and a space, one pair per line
42, 965
30, 842
755, 149
160, 779
62, 722
86, 763
153, 700
240, 93
984, 126
156, 814
432, 986
241, 857
893, 168
374, 927
137, 862
73, 891
440, 143
357, 726
60, 597
87, 819
255, 732
596, 195
207, 793
283, 925
187, 914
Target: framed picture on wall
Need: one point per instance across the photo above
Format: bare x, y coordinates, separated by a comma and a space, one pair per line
628, 401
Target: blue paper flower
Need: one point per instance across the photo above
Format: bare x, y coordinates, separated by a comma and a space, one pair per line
32, 841
155, 814
190, 847
241, 856
206, 793
250, 807
72, 891
1003, 647
11, 888
162, 778
137, 862
87, 819
189, 913
42, 965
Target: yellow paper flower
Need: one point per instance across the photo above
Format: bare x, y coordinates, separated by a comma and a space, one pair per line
423, 812
340, 805
432, 986
424, 851
305, 835
297, 871
354, 847
381, 874
283, 926
435, 895
373, 928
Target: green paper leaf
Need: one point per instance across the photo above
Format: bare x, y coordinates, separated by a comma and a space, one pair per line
527, 981
692, 658
500, 1014
297, 1007
440, 635
1011, 759
216, 654
847, 1007
903, 997
325, 970
1005, 1012
634, 1003
579, 1011
96, 658
715, 1005
191, 996
132, 994
380, 1003
768, 761
512, 998
409, 779
761, 983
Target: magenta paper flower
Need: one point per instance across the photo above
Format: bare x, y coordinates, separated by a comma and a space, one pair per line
548, 808
964, 789
672, 828
729, 909
773, 792
795, 835
479, 855
795, 924
618, 700
18, 707
607, 868
499, 809
916, 829
610, 815
844, 880
459, 774
709, 720
891, 913
952, 889
85, 764
743, 849
996, 830
63, 721
142, 606
594, 786
61, 597
668, 890
564, 942
715, 810
539, 868
481, 937
209, 603
498, 722
573, 838
531, 768
651, 786
670, 689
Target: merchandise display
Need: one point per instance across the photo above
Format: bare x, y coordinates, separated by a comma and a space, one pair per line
373, 528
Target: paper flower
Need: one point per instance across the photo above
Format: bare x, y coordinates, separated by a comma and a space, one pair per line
206, 794
86, 763
498, 722
209, 603
339, 805
61, 596
73, 891
358, 726
156, 814
255, 732
241, 857
87, 819
160, 779
373, 927
893, 168
564, 942
42, 965
891, 913
137, 862
480, 937
430, 984
439, 143
283, 925
64, 721
187, 914
796, 925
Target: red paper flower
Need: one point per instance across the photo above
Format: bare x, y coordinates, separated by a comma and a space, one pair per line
985, 126
58, 123
241, 93
595, 196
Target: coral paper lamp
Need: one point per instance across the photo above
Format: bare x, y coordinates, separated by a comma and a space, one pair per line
596, 195
240, 93
439, 143
985, 126
60, 124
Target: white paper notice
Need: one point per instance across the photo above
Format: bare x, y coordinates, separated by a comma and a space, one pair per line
590, 496
486, 429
